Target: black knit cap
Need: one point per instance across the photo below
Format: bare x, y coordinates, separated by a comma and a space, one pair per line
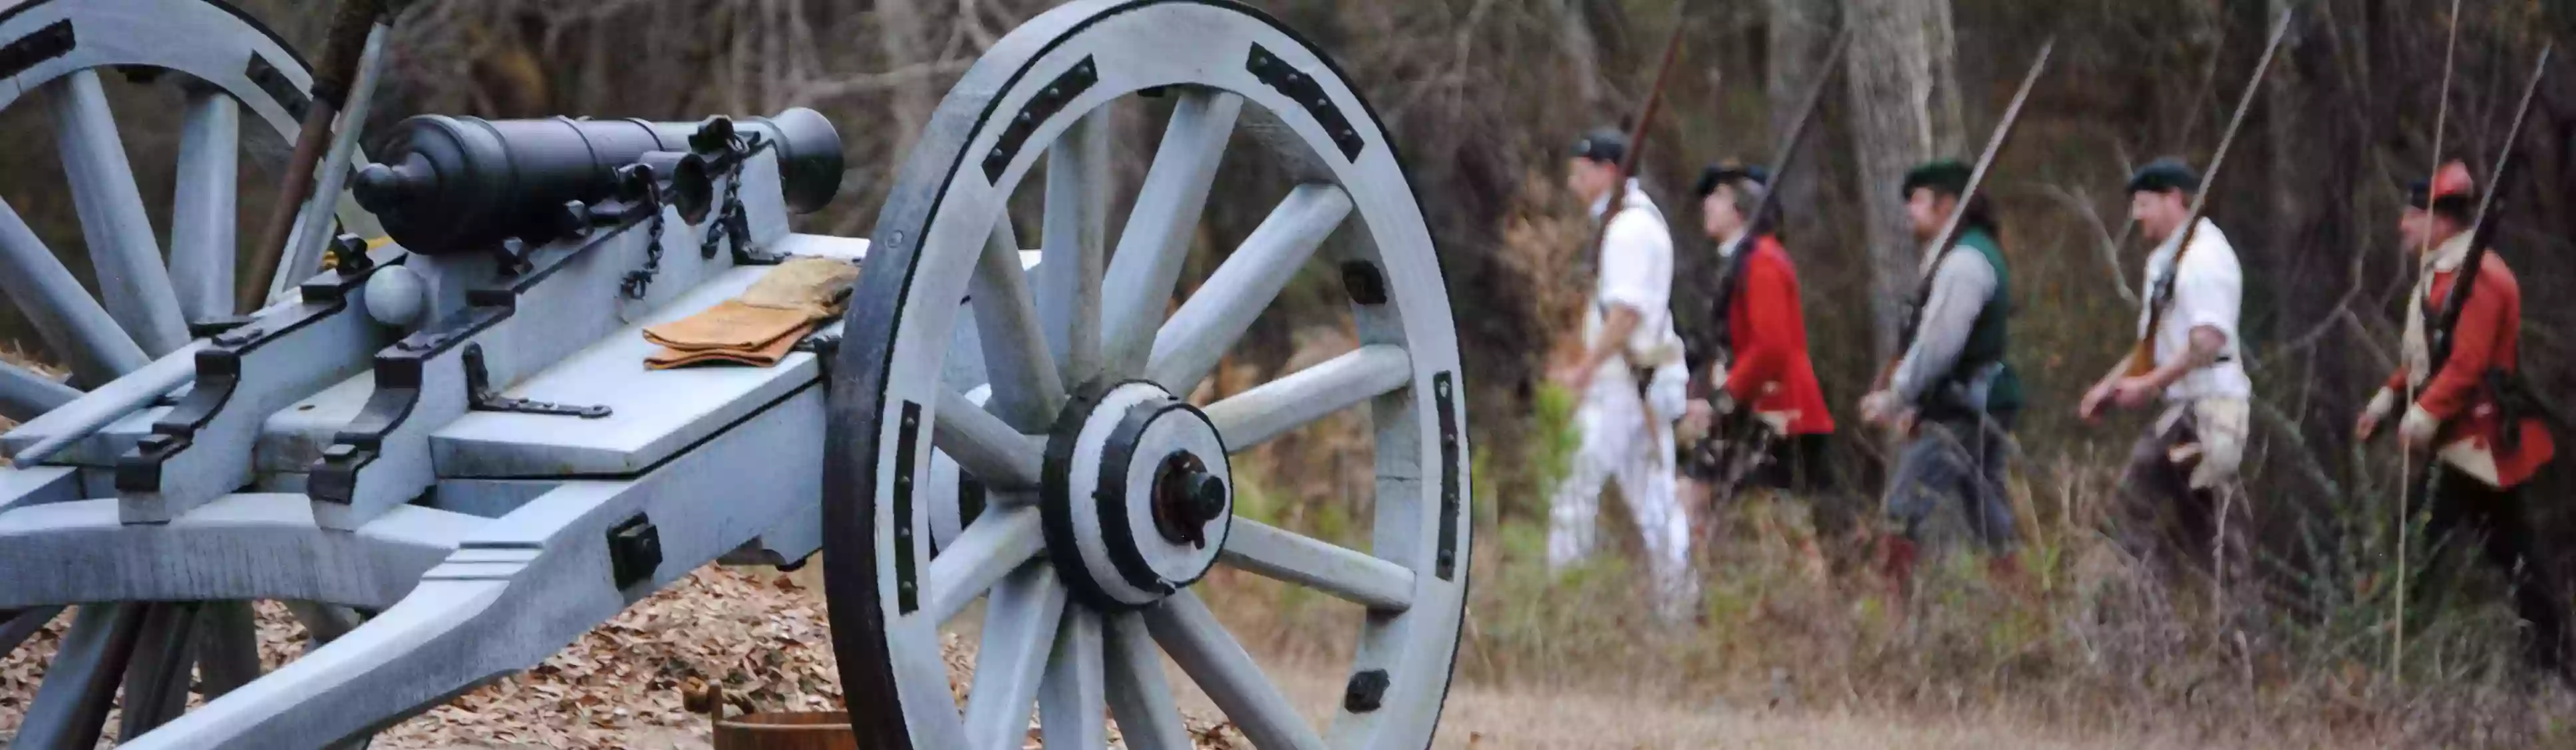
1602, 145
1728, 172
1947, 176
2165, 175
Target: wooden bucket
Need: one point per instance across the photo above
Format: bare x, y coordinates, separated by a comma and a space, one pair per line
787, 731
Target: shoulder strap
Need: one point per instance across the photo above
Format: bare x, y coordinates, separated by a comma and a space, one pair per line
1913, 320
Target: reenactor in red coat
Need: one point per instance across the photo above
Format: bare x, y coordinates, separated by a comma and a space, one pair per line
1759, 368
1757, 418
2481, 429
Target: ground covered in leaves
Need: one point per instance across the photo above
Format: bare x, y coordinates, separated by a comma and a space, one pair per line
764, 637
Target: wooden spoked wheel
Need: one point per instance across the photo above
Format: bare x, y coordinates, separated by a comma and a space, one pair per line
1059, 394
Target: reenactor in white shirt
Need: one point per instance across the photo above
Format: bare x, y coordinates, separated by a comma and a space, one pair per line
2181, 479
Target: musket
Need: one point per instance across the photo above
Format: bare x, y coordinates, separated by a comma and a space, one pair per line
1637, 132
1758, 223
1751, 436
2438, 335
2142, 356
2482, 231
1949, 235
1637, 145
351, 23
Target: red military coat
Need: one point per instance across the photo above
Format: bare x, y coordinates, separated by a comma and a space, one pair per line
2488, 335
1771, 370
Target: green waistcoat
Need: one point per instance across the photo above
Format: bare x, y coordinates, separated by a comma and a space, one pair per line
1988, 339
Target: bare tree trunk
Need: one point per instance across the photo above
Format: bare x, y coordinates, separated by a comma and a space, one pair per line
1941, 43
906, 38
1799, 31
1892, 88
1582, 53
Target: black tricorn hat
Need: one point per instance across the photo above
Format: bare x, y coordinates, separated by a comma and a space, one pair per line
1602, 145
2165, 175
2451, 192
1941, 175
1727, 172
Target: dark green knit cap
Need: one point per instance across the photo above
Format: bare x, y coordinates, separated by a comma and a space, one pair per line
1948, 176
2165, 175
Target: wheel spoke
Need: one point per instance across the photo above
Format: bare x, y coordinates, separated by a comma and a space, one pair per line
121, 245
1148, 717
25, 394
201, 221
1019, 631
19, 625
1077, 229
1255, 416
1212, 658
228, 649
314, 220
71, 322
1190, 344
998, 542
1342, 572
1026, 389
71, 706
1071, 709
156, 681
1157, 237
985, 446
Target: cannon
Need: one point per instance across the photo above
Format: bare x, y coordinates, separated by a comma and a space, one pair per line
452, 460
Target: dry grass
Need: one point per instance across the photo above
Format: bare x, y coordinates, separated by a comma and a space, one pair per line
2098, 650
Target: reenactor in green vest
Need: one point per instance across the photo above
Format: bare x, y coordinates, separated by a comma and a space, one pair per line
1950, 394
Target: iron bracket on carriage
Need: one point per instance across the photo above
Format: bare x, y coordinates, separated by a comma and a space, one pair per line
456, 447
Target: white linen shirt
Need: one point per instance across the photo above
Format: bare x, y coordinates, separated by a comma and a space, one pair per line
2209, 293
1636, 271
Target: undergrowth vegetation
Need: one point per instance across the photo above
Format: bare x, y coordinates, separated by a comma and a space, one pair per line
2092, 641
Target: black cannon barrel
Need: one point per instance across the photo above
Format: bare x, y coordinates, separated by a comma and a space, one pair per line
458, 184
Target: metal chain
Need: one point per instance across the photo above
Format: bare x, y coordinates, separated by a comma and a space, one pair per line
725, 216
730, 223
639, 281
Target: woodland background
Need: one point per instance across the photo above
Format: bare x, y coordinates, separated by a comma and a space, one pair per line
1484, 96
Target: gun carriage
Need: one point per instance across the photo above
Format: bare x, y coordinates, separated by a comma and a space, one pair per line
438, 441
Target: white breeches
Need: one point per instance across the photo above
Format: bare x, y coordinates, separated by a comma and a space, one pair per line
1616, 445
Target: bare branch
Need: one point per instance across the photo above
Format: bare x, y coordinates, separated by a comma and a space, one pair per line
2110, 245
814, 92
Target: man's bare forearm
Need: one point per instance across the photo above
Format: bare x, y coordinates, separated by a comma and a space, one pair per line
2119, 369
1615, 329
2206, 343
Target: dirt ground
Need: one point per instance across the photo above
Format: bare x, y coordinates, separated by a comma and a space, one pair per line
1482, 718
1496, 718
767, 632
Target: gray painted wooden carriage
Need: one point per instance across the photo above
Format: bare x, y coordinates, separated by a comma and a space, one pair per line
446, 455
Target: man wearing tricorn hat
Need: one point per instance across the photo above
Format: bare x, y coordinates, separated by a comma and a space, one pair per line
1758, 377
2480, 426
2174, 493
1950, 394
1630, 378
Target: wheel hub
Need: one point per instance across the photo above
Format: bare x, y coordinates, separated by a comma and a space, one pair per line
1186, 497
1138, 495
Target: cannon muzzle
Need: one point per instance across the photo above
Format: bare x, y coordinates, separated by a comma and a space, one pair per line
458, 184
